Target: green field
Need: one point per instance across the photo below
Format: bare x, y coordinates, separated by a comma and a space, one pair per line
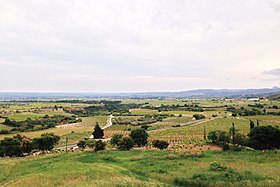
241, 125
143, 168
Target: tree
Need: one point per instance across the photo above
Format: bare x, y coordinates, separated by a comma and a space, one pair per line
232, 132
160, 144
116, 138
10, 147
98, 132
26, 143
219, 137
125, 144
241, 139
46, 142
252, 124
99, 145
264, 137
139, 137
204, 133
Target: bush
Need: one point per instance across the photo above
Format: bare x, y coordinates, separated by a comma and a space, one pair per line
99, 145
241, 139
198, 116
4, 131
264, 137
115, 140
90, 143
82, 144
139, 137
125, 144
216, 166
220, 138
160, 144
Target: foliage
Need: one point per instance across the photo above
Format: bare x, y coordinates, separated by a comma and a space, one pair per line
139, 137
264, 137
220, 138
82, 144
99, 145
45, 122
46, 142
10, 147
109, 107
241, 139
125, 144
116, 138
98, 132
4, 131
198, 116
216, 166
160, 144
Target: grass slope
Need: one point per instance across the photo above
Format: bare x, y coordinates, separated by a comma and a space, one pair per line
143, 168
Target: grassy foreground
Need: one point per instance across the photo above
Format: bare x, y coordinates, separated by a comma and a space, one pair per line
143, 168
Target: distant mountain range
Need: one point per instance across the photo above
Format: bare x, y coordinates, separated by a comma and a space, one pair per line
200, 93
275, 97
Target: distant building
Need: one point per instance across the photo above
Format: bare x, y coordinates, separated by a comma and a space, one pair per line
253, 99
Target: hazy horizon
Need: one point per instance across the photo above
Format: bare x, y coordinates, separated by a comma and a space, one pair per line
143, 46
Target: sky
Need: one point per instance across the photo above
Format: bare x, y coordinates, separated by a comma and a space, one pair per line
138, 46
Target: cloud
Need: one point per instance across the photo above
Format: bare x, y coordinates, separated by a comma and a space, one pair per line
274, 72
102, 45
275, 5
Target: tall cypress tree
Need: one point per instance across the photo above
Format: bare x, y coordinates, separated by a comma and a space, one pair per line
98, 132
252, 124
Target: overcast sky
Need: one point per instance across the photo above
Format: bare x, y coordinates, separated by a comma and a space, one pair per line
144, 45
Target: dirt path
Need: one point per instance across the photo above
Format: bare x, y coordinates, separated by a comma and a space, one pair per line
109, 122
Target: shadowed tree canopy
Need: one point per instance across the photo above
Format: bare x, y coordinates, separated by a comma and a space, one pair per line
98, 132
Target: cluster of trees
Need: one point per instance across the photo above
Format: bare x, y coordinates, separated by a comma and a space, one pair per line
38, 124
138, 137
260, 137
186, 107
257, 105
245, 112
105, 109
21, 145
145, 120
86, 101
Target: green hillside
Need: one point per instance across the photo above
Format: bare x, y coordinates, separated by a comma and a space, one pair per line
143, 168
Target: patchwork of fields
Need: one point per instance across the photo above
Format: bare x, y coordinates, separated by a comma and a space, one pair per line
186, 162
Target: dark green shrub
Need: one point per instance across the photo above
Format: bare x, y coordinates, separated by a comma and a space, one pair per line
116, 138
264, 137
160, 144
99, 145
125, 144
46, 141
139, 137
82, 144
198, 116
